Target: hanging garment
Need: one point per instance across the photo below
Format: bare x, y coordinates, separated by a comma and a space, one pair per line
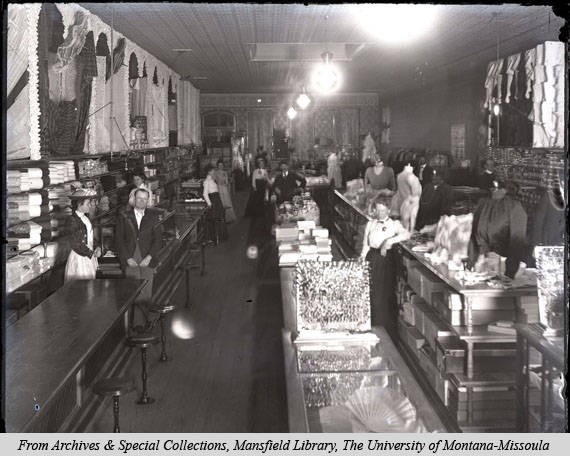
493, 80
369, 149
333, 170
406, 202
512, 65
529, 62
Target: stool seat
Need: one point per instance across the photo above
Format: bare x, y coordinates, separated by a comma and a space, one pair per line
143, 340
162, 309
114, 386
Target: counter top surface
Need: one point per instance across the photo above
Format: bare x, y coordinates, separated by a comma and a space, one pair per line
49, 344
449, 277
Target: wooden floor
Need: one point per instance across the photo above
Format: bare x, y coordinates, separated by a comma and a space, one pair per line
229, 377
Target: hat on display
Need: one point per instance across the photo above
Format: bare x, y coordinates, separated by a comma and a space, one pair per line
82, 193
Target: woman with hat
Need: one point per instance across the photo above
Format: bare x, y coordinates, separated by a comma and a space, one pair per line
82, 260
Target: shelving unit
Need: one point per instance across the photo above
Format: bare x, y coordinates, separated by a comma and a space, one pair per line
171, 163
470, 368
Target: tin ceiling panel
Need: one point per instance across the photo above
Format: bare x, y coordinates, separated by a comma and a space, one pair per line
221, 37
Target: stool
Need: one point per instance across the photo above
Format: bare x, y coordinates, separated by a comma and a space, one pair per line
143, 341
162, 311
116, 387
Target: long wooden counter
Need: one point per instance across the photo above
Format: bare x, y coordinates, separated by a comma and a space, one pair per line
56, 352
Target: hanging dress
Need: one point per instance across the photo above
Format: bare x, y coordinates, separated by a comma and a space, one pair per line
221, 178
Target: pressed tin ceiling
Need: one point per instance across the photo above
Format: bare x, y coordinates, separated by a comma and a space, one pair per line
223, 39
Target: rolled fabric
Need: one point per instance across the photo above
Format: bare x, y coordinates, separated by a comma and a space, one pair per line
30, 198
35, 172
36, 183
35, 199
24, 185
11, 173
35, 211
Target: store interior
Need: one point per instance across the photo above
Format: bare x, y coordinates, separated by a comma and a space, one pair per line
285, 218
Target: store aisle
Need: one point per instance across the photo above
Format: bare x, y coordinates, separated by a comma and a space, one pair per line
230, 377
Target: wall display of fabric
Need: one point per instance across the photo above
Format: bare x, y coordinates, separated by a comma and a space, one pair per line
548, 95
369, 149
17, 84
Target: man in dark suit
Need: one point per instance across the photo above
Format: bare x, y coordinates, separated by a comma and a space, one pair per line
424, 171
487, 176
287, 183
138, 240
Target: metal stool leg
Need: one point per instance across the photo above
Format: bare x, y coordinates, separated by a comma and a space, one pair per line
163, 355
116, 414
144, 399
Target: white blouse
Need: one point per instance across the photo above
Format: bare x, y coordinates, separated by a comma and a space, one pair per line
210, 186
377, 232
89, 227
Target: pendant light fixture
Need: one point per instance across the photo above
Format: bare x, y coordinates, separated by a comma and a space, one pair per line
291, 112
326, 77
303, 100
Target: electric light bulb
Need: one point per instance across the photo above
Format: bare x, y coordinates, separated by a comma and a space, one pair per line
291, 113
496, 109
303, 101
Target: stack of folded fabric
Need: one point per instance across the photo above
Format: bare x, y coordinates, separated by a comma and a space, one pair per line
31, 179
21, 269
61, 171
13, 181
58, 198
23, 207
26, 235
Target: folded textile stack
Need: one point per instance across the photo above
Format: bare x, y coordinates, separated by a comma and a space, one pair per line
317, 181
21, 269
23, 207
31, 179
59, 198
527, 310
312, 243
26, 235
13, 181
24, 180
61, 171
286, 234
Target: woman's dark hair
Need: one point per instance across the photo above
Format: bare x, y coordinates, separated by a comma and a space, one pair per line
220, 161
140, 174
258, 160
209, 167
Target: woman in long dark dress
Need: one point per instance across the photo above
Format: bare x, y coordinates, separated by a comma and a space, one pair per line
380, 235
212, 196
257, 204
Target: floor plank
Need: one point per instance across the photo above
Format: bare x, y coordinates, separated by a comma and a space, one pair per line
230, 377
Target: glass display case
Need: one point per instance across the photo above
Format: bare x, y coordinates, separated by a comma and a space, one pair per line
540, 381
348, 386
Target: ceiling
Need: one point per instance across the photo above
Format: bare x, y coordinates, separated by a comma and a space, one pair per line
464, 40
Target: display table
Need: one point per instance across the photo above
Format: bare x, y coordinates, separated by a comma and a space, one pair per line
59, 349
317, 392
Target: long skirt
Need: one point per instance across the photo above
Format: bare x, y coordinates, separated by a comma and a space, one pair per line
218, 217
80, 267
227, 203
382, 289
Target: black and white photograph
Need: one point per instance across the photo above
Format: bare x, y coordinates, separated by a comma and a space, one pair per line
284, 218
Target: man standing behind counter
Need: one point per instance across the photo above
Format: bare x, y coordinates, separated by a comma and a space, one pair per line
287, 183
138, 239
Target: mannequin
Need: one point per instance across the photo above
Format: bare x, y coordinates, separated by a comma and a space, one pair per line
406, 202
333, 170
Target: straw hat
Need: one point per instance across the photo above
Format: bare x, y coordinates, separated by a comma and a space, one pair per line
82, 193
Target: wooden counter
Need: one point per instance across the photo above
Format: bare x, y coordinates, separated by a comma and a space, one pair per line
56, 352
304, 419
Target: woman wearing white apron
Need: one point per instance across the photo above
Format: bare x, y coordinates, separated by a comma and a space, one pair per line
82, 260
